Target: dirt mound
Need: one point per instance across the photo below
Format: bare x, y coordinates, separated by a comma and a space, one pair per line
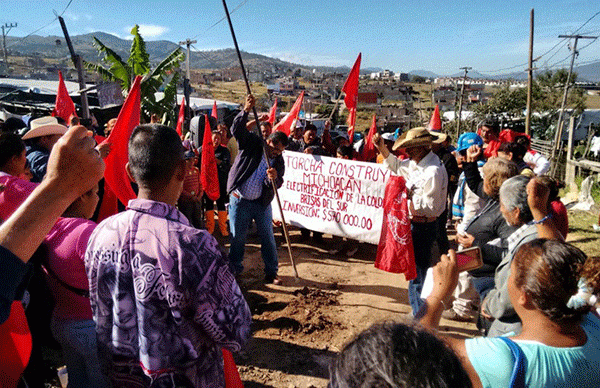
308, 311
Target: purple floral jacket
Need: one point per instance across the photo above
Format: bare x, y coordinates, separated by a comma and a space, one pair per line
163, 298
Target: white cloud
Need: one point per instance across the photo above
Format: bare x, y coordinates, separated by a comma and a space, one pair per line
149, 31
91, 29
76, 17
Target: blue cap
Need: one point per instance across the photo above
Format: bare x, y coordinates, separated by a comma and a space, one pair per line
468, 139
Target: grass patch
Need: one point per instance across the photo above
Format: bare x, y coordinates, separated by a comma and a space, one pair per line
581, 233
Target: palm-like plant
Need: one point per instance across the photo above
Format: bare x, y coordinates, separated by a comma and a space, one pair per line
138, 63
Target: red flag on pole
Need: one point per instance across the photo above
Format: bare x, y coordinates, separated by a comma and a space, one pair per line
368, 151
214, 112
395, 252
435, 124
209, 176
273, 113
181, 118
351, 98
129, 117
64, 107
286, 123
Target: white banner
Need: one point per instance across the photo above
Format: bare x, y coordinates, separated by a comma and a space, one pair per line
336, 196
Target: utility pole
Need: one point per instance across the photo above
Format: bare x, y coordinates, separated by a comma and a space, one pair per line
186, 81
5, 30
559, 125
460, 100
529, 77
79, 66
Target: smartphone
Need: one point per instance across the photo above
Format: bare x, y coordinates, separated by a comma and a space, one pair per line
469, 259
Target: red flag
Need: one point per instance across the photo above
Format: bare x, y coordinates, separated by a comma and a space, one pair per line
129, 117
395, 252
273, 113
232, 375
435, 124
181, 118
286, 123
351, 90
64, 107
209, 176
368, 152
214, 112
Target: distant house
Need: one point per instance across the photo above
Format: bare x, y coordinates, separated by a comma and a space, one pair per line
367, 98
285, 86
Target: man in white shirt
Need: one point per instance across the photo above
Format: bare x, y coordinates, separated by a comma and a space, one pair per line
427, 184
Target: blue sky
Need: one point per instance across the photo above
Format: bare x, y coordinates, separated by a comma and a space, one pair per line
399, 35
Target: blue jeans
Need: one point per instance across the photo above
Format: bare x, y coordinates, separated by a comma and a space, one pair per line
241, 214
78, 341
483, 286
423, 235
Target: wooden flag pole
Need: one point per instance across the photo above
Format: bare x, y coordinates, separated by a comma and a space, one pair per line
335, 107
283, 224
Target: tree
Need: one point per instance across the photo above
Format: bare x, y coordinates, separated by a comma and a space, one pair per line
547, 93
419, 79
162, 78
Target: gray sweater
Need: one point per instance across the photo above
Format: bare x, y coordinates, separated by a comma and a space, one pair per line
497, 303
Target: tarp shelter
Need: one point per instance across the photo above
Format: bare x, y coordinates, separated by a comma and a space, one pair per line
582, 124
226, 110
37, 97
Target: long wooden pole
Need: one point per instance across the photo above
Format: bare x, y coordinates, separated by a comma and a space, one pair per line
529, 77
79, 66
283, 224
460, 101
335, 107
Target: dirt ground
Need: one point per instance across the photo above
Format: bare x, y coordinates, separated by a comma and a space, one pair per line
299, 326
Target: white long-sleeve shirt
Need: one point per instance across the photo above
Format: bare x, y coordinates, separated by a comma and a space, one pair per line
538, 162
427, 179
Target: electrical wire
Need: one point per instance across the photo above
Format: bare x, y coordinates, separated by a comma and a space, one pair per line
563, 41
223, 18
586, 22
41, 28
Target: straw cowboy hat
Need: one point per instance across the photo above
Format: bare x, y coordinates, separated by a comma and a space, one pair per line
45, 126
441, 137
415, 137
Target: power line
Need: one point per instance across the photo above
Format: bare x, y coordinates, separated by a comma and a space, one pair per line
44, 26
586, 22
563, 41
223, 18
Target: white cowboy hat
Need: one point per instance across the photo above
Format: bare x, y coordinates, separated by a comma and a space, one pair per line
414, 137
45, 126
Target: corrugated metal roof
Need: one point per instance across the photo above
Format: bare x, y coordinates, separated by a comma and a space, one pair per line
40, 86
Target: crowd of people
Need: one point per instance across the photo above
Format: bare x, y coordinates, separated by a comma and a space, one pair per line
146, 296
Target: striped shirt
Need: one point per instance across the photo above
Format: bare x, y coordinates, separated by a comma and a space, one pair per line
251, 189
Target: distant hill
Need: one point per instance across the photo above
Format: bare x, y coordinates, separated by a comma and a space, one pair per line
423, 73
590, 72
473, 74
47, 47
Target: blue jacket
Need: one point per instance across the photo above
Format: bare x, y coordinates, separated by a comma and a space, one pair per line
249, 157
38, 161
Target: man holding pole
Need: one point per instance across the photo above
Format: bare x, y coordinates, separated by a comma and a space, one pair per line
250, 190
427, 185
